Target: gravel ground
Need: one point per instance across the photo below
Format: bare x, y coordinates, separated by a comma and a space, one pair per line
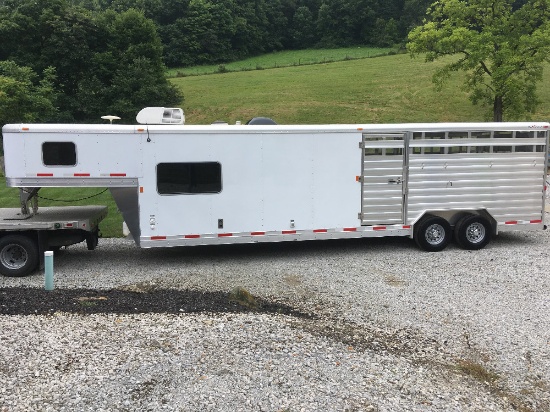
356, 325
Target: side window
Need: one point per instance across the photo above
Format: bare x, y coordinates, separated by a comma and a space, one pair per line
189, 178
59, 153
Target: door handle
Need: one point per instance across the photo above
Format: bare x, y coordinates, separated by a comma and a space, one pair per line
396, 181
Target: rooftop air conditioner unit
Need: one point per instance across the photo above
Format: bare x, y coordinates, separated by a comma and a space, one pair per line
161, 115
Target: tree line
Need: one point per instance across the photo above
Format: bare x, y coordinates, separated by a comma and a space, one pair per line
216, 31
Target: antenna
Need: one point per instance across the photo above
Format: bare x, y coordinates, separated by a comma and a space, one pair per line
110, 118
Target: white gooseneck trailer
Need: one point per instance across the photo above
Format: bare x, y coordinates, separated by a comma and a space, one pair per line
179, 185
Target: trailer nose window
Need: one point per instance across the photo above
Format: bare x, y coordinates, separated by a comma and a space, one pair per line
59, 153
189, 178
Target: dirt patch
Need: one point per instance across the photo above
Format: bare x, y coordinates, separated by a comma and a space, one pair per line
34, 301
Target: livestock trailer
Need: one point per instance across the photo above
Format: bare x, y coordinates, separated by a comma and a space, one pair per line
183, 185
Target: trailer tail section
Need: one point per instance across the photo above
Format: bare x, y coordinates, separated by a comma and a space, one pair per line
182, 185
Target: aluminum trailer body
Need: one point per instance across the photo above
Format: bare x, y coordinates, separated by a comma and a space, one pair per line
182, 185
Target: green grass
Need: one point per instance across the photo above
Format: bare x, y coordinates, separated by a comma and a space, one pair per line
284, 59
389, 89
110, 227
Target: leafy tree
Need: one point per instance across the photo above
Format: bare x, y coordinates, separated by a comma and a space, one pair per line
500, 44
91, 52
302, 31
23, 96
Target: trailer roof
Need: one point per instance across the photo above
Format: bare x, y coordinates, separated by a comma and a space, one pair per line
225, 128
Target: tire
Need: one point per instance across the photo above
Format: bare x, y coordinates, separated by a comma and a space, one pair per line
432, 233
92, 239
18, 255
473, 232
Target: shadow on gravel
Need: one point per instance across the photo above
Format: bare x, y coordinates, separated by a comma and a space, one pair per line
33, 301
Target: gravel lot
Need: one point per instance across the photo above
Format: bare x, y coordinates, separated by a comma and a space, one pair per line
356, 325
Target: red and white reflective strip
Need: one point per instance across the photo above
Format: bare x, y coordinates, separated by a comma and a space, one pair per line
79, 174
523, 222
283, 232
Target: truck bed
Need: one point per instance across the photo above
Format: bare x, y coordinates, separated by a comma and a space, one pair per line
53, 218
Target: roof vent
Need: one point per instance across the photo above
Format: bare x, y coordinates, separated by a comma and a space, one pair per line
161, 115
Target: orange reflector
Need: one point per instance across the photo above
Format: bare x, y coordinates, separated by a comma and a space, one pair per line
141, 189
24, 128
359, 128
357, 178
141, 130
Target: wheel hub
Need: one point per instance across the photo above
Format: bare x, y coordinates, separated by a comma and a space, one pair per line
475, 233
13, 256
435, 234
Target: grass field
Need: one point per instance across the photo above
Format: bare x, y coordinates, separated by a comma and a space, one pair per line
389, 89
283, 59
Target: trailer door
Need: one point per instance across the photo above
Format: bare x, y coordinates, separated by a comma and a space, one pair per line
383, 178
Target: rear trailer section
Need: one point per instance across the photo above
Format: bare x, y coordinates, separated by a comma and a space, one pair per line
25, 237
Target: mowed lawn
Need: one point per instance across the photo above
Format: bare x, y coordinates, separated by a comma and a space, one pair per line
390, 89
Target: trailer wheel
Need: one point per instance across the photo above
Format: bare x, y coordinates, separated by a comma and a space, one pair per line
92, 239
432, 233
473, 232
18, 255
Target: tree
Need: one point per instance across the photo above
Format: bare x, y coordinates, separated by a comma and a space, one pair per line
93, 53
500, 44
23, 96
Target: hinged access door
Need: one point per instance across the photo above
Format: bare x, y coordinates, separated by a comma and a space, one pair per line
383, 178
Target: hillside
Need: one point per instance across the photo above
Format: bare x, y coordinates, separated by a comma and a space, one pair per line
386, 89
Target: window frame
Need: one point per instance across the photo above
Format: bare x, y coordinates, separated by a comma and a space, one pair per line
59, 164
218, 182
